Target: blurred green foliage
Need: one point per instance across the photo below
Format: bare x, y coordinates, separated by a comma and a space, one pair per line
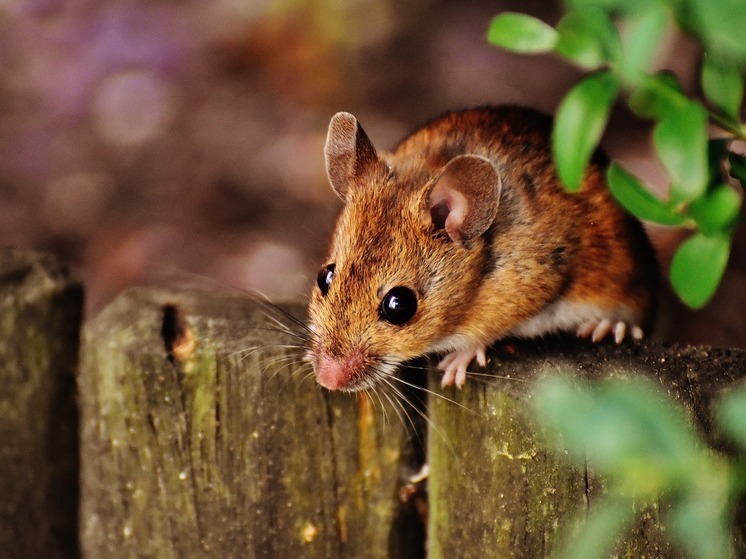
646, 449
637, 439
618, 41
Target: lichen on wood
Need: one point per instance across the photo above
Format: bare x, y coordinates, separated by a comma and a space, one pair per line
499, 488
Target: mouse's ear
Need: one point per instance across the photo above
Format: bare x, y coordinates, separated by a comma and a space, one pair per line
349, 153
465, 197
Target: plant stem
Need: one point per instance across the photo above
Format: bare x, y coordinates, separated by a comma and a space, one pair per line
737, 129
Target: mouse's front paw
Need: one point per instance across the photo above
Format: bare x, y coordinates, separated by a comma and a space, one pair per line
454, 365
597, 330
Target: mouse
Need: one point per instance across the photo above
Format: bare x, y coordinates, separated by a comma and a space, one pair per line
461, 236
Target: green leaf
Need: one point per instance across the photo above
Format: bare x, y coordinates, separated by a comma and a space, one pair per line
588, 38
564, 407
658, 437
521, 33
579, 124
723, 86
738, 167
701, 523
657, 96
680, 139
731, 415
698, 266
717, 210
642, 37
719, 24
638, 200
626, 429
625, 7
594, 534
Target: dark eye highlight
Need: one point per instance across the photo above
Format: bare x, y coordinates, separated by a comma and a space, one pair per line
398, 306
324, 279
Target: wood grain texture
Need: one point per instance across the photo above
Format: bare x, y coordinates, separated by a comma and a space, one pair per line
227, 451
41, 307
496, 489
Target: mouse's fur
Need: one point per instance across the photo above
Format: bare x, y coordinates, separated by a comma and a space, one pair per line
523, 257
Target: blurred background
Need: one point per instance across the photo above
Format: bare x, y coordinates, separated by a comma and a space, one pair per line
147, 140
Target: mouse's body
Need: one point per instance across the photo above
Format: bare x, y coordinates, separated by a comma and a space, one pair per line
461, 236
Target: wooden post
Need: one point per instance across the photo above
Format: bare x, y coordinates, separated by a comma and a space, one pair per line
202, 437
496, 490
40, 317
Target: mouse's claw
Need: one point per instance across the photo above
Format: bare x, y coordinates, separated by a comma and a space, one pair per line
454, 365
597, 330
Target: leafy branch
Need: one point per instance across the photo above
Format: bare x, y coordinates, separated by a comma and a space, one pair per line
645, 447
617, 41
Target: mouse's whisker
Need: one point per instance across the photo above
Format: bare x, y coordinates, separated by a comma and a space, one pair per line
399, 403
487, 376
433, 393
297, 327
412, 366
295, 349
309, 375
396, 405
284, 313
369, 393
244, 353
431, 424
402, 398
285, 332
285, 363
282, 353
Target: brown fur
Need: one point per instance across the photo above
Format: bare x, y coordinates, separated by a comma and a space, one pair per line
544, 244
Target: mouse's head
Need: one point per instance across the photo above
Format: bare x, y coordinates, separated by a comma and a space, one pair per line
406, 257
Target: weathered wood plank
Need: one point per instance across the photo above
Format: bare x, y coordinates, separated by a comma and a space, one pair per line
225, 451
496, 491
41, 307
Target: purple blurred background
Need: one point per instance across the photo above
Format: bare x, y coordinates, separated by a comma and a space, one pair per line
145, 140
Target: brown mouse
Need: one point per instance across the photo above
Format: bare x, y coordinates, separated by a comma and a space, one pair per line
461, 236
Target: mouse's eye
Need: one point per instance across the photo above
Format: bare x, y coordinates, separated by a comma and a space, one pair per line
324, 279
398, 305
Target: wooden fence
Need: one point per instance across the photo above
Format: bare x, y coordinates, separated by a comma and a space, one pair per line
196, 431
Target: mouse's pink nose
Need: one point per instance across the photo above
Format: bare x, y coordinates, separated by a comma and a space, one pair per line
339, 373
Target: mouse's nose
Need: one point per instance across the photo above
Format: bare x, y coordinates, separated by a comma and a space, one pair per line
339, 373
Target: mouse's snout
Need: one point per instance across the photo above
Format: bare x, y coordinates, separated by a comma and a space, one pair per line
340, 373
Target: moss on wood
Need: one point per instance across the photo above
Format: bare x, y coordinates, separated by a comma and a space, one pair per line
40, 317
495, 490
223, 448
